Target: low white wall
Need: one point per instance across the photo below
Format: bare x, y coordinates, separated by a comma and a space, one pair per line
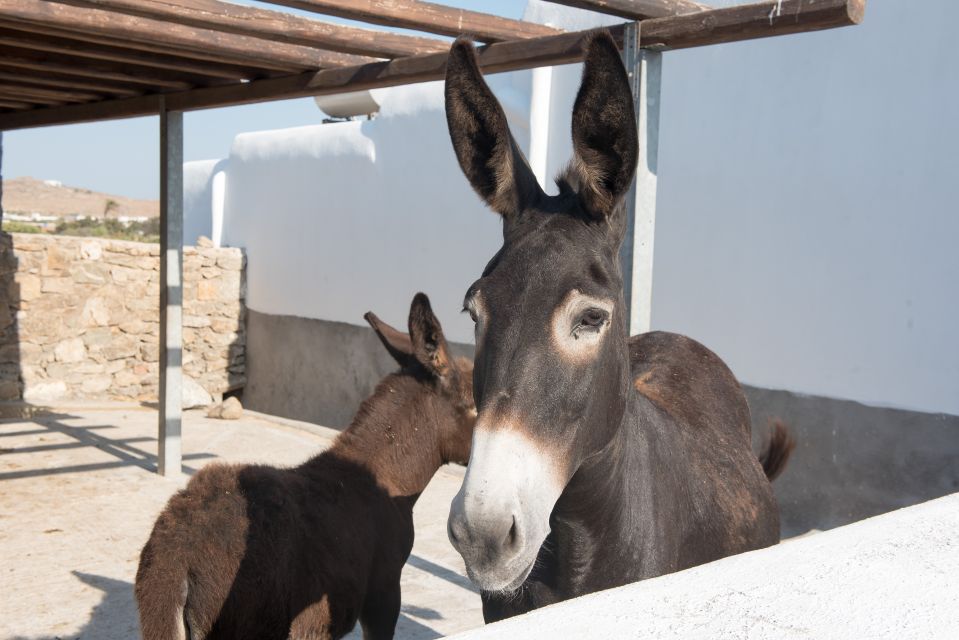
892, 576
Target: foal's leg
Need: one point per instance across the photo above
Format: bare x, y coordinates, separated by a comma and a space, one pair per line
380, 612
313, 623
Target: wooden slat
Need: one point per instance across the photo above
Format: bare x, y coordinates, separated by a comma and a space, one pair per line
11, 58
45, 102
718, 25
275, 26
58, 42
11, 104
47, 80
157, 36
26, 90
637, 9
749, 22
425, 16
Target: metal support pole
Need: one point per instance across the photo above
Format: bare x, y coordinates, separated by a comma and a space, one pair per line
171, 290
645, 70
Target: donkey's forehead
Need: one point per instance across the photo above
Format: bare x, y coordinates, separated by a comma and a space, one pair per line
555, 257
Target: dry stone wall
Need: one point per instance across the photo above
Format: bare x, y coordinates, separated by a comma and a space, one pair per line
79, 318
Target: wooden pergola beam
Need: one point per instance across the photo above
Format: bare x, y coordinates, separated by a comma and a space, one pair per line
678, 32
51, 81
425, 16
12, 104
57, 42
274, 26
159, 37
12, 58
637, 9
26, 90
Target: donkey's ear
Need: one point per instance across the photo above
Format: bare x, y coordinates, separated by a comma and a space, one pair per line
481, 138
396, 342
429, 345
605, 144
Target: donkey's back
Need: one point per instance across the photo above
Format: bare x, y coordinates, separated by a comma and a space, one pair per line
705, 424
256, 552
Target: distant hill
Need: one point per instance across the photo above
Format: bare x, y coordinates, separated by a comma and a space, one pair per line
47, 197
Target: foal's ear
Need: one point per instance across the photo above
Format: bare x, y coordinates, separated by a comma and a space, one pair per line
605, 144
486, 151
429, 345
396, 342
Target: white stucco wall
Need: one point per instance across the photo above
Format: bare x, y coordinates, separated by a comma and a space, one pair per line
807, 206
341, 218
892, 576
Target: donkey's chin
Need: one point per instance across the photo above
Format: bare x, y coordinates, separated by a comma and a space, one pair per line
501, 581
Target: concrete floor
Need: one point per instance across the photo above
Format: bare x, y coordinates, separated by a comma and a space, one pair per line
78, 497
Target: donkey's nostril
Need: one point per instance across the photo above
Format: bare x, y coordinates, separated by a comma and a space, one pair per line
513, 536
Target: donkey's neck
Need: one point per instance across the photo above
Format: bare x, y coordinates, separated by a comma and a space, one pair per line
394, 437
603, 524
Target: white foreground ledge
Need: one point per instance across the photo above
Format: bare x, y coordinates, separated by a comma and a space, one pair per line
892, 576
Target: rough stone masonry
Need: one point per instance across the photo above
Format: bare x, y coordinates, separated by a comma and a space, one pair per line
79, 318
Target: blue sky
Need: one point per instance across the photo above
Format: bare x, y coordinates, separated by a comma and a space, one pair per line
122, 156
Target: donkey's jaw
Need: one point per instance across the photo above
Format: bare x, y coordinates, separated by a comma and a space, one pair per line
500, 517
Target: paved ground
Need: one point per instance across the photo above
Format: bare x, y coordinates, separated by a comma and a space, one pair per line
78, 497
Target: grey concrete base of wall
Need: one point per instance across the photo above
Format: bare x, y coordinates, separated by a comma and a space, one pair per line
314, 370
851, 461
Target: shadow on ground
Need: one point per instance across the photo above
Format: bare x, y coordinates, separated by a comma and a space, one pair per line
115, 617
122, 449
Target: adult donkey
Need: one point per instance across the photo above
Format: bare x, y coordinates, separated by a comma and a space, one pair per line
597, 460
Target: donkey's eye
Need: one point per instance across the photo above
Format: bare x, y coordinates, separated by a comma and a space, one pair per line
591, 320
468, 308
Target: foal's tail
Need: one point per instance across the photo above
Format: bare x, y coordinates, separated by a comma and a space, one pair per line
778, 448
161, 593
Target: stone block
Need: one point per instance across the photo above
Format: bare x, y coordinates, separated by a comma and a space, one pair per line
95, 313
195, 322
94, 273
97, 338
57, 259
134, 327
9, 390
91, 250
231, 260
93, 385
150, 352
224, 325
122, 346
72, 350
207, 290
56, 285
27, 287
42, 392
125, 378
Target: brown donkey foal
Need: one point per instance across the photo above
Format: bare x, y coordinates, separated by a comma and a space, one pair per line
253, 551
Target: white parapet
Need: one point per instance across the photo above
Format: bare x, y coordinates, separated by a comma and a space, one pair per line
892, 576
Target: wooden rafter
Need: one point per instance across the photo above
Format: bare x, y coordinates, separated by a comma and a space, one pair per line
274, 26
33, 61
81, 53
425, 16
158, 36
677, 32
52, 81
637, 9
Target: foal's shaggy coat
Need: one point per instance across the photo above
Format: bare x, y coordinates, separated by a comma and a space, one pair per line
252, 551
